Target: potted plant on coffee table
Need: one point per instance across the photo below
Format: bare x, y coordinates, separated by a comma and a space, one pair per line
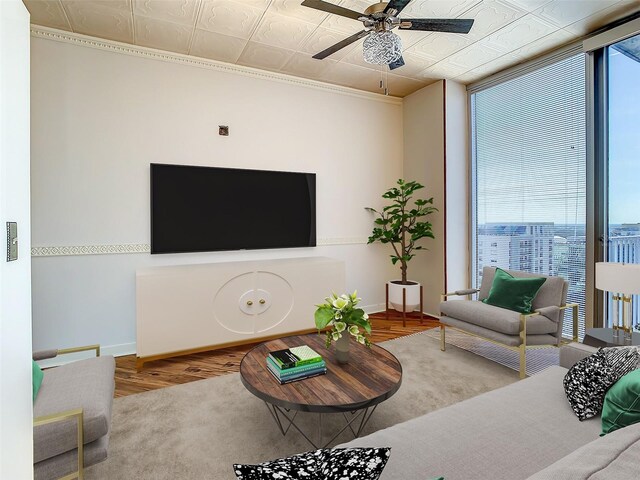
342, 319
402, 224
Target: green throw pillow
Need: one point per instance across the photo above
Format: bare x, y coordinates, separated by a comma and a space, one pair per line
622, 403
36, 375
513, 293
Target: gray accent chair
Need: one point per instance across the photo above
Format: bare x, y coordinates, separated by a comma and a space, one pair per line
516, 331
72, 415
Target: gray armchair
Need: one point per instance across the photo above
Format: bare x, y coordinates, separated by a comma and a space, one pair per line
72, 415
513, 330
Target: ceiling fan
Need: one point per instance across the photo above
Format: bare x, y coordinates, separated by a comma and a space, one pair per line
381, 45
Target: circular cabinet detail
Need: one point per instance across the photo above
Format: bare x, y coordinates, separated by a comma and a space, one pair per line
225, 304
278, 300
253, 302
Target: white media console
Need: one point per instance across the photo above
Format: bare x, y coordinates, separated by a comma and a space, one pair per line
192, 308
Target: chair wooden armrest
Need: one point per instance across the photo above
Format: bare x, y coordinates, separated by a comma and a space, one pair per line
62, 416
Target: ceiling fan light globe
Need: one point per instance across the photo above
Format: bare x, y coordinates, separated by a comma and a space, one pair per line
382, 48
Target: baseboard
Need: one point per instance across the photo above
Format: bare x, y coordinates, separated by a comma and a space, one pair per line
120, 350
115, 350
375, 308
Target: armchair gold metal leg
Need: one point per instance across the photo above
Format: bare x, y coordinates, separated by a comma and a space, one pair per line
574, 309
63, 416
523, 362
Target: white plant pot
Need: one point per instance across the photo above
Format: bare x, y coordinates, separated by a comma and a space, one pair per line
412, 295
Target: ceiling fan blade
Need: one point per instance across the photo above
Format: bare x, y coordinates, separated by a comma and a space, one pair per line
397, 5
331, 8
397, 64
347, 41
450, 25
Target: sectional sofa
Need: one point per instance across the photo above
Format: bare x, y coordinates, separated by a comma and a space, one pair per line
525, 430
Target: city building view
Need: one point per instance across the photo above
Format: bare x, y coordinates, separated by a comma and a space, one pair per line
550, 249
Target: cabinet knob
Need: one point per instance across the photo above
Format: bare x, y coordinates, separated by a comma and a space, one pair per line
262, 301
249, 302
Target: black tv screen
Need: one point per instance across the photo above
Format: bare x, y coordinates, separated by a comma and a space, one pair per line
200, 209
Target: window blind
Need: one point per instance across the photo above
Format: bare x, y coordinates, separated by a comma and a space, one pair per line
529, 175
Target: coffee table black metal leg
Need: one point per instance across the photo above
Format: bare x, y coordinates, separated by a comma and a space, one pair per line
275, 416
363, 415
276, 411
348, 425
365, 420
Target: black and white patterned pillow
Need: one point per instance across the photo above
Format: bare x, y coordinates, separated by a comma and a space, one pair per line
353, 463
587, 382
298, 467
618, 357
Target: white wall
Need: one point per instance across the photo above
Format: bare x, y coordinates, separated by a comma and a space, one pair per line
16, 459
423, 119
457, 187
436, 155
100, 117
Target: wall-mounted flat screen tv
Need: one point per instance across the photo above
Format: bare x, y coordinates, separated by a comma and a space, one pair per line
201, 209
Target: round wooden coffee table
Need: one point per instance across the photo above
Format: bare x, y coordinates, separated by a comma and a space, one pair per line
353, 390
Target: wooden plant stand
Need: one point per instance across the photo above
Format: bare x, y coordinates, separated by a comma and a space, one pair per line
404, 304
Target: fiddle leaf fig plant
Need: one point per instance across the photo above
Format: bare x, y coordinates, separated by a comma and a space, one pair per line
401, 223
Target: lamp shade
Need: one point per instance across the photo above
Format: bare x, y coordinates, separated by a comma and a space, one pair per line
618, 277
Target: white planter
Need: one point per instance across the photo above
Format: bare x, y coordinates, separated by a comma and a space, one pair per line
412, 295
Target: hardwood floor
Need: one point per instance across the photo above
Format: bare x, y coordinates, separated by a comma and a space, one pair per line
190, 368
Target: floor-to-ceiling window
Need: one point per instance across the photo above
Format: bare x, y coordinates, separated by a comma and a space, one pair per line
529, 175
623, 169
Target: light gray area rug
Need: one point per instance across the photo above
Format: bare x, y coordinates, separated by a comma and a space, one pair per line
538, 359
198, 430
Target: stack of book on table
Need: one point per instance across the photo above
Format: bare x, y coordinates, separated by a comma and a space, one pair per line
295, 363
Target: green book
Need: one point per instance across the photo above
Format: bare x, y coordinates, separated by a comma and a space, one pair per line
295, 378
296, 370
295, 357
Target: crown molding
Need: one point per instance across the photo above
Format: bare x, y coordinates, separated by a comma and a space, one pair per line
164, 56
